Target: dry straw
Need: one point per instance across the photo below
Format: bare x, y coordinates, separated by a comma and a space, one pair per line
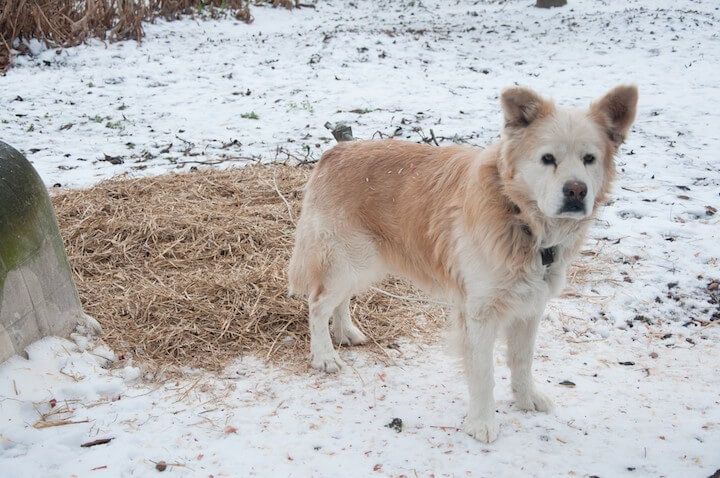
190, 269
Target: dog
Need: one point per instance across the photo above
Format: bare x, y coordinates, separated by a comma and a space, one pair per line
493, 231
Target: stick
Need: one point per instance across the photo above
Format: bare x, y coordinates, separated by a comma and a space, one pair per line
43, 424
277, 190
100, 441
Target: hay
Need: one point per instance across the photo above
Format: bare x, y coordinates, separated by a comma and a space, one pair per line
190, 269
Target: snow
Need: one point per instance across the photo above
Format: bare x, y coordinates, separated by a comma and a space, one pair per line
175, 101
259, 420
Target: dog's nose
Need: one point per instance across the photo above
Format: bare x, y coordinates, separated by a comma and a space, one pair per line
575, 190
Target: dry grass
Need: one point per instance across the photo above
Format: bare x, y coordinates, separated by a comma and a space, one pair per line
66, 23
189, 269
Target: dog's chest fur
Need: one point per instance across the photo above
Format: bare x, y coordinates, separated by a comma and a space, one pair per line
492, 286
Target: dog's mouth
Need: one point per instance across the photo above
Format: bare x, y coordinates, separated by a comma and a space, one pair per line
573, 208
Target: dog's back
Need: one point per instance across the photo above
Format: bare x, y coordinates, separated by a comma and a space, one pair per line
378, 201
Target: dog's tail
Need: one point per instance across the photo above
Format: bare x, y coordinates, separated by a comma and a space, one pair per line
298, 277
305, 271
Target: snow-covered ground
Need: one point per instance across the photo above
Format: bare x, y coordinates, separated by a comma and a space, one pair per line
658, 417
178, 100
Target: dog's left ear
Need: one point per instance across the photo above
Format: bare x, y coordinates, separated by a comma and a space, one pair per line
616, 111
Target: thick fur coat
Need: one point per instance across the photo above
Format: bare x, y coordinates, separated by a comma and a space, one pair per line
492, 231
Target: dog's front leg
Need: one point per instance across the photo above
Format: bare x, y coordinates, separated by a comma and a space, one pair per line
478, 346
521, 346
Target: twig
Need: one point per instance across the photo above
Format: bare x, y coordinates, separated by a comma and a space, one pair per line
709, 324
308, 159
277, 190
188, 390
445, 428
575, 341
185, 141
216, 162
100, 441
43, 424
76, 379
272, 346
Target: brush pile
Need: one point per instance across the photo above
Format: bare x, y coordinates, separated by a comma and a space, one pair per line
190, 269
66, 23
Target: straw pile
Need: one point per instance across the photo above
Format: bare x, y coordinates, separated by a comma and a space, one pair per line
190, 269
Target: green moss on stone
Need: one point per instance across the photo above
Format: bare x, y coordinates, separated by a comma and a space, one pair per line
27, 219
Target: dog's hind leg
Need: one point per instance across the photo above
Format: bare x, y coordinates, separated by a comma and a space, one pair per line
521, 344
343, 330
323, 355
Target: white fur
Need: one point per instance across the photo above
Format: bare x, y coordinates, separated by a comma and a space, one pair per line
568, 137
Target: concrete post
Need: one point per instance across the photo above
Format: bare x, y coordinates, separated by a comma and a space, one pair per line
37, 292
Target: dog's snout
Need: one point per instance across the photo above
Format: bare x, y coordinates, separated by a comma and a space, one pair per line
575, 190
574, 193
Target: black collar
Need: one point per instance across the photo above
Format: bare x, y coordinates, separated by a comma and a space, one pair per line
548, 254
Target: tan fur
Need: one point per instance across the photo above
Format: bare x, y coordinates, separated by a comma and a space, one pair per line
447, 218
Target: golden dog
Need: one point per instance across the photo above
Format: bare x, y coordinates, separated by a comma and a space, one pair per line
492, 230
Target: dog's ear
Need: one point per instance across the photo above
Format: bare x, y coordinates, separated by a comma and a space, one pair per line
616, 111
522, 106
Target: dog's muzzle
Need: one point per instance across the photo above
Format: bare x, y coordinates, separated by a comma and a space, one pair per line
574, 193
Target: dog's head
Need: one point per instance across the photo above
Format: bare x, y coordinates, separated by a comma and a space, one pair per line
561, 159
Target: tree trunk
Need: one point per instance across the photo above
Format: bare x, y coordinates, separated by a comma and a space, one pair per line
550, 3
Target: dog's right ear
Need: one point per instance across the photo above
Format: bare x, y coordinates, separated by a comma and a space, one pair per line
522, 106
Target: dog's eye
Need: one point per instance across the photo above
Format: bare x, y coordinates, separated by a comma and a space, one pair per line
548, 158
589, 158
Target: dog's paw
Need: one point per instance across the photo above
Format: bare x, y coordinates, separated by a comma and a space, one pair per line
534, 400
351, 336
330, 363
485, 431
